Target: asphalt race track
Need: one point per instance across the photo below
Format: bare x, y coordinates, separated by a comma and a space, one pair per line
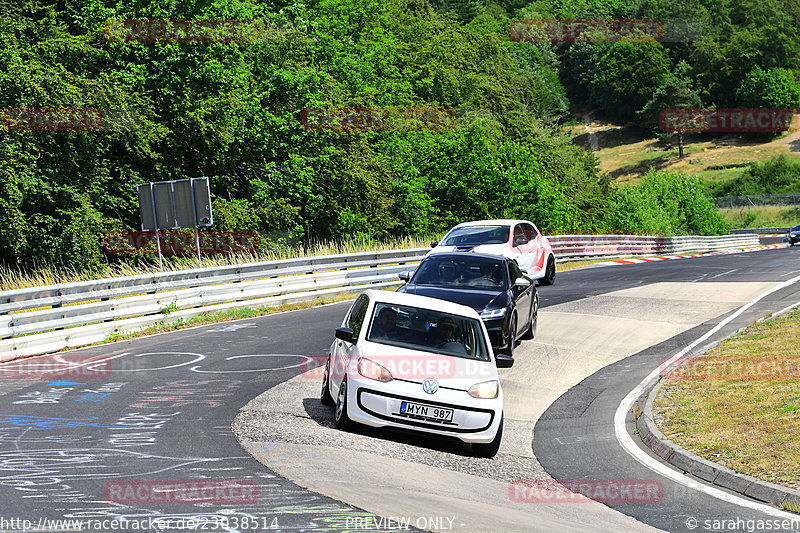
103, 441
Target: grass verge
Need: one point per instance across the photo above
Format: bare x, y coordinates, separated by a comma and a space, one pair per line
739, 404
41, 275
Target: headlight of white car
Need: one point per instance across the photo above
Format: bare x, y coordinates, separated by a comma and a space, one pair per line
372, 370
490, 314
485, 389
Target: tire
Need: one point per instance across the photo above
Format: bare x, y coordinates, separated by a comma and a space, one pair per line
512, 335
531, 331
549, 272
340, 417
325, 394
490, 449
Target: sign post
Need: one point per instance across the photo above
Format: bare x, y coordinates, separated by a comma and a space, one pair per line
173, 205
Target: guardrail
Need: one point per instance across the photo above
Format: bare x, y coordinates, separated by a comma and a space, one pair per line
45, 319
761, 231
577, 247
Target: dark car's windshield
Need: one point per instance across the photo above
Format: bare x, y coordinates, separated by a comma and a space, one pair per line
428, 330
466, 271
474, 235
795, 228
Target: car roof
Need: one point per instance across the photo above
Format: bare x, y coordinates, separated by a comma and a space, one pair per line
494, 222
425, 302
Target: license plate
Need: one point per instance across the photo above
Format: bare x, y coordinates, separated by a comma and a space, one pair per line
428, 412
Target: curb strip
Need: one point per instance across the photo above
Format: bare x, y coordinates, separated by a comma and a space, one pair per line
713, 473
706, 254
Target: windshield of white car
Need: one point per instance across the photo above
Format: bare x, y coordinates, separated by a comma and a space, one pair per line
465, 272
428, 330
475, 235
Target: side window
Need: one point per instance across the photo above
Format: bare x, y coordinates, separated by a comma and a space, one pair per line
357, 313
519, 236
529, 231
514, 270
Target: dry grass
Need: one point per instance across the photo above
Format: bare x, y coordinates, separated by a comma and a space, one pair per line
38, 276
739, 405
627, 153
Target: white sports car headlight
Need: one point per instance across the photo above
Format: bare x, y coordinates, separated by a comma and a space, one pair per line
485, 389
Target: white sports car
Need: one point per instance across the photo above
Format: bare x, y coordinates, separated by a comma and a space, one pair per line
418, 363
517, 239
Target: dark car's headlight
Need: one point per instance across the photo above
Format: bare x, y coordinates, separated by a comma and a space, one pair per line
491, 314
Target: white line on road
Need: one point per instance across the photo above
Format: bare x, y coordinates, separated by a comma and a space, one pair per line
627, 443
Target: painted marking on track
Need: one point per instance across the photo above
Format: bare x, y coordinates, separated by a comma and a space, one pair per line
627, 443
305, 359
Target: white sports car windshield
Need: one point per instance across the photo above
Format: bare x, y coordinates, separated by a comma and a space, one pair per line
427, 330
475, 235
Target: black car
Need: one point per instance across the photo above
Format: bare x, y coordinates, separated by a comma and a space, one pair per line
493, 285
793, 236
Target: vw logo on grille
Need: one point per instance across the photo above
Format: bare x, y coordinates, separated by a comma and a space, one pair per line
430, 386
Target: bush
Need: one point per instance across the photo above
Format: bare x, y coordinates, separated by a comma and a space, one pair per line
776, 176
670, 203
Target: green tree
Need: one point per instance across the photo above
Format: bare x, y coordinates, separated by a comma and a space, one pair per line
776, 88
626, 75
675, 92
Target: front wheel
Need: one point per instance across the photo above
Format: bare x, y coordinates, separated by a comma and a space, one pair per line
549, 273
341, 419
490, 449
512, 337
531, 331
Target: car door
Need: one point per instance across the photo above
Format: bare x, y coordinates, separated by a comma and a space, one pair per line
535, 249
523, 297
522, 247
343, 350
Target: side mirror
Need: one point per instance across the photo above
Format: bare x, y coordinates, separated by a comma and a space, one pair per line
345, 334
434, 244
522, 283
504, 361
405, 275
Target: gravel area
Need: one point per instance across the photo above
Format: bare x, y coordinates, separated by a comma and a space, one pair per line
292, 413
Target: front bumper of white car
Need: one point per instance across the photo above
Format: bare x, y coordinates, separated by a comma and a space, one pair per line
474, 420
